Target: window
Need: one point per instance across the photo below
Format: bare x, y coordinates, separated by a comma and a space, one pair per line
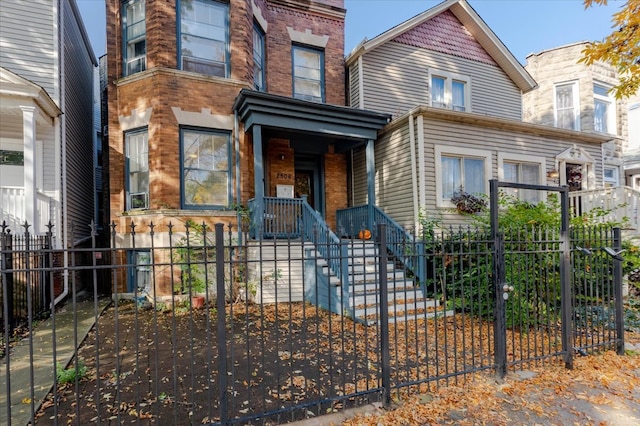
603, 109
522, 169
611, 177
258, 59
567, 106
11, 158
308, 74
204, 38
137, 167
205, 168
134, 35
449, 91
460, 169
139, 271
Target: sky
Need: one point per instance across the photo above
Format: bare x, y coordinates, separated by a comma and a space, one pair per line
524, 26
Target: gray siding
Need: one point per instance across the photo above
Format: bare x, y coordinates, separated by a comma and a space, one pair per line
396, 79
359, 177
394, 183
393, 162
27, 35
79, 125
354, 93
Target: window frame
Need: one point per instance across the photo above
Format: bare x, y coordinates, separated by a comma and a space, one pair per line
215, 132
610, 118
575, 94
613, 182
507, 157
227, 63
127, 167
449, 78
259, 62
126, 42
460, 152
321, 53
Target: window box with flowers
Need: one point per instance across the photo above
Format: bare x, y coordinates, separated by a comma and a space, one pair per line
467, 203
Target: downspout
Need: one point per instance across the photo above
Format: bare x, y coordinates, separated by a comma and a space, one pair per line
414, 174
422, 177
63, 143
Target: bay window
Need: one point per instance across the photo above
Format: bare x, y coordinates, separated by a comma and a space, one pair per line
206, 171
603, 109
204, 37
258, 59
134, 35
137, 169
567, 106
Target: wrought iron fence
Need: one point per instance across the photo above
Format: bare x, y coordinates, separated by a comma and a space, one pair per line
256, 350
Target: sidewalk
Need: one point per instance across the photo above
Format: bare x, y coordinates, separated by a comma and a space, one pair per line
42, 369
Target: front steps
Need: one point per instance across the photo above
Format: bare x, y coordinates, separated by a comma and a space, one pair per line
405, 301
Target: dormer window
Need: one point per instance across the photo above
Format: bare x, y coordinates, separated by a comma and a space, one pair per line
449, 91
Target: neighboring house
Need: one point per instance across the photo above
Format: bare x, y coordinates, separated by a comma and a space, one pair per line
212, 104
632, 149
455, 92
574, 96
46, 134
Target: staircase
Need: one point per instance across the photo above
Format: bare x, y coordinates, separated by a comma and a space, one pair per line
405, 301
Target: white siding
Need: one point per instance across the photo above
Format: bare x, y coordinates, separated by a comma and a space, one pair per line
27, 36
396, 79
354, 93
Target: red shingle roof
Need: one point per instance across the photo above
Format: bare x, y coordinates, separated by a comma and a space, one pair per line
445, 33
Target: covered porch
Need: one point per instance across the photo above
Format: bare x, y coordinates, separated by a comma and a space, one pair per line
300, 153
28, 155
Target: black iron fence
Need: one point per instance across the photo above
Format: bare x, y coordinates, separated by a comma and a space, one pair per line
198, 328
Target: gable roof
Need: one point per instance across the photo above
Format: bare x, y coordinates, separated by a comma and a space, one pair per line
14, 86
473, 23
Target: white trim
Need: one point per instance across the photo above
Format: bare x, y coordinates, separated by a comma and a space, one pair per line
421, 161
308, 38
521, 158
611, 108
448, 89
439, 150
575, 92
414, 173
257, 15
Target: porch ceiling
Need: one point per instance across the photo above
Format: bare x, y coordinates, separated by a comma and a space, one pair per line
284, 116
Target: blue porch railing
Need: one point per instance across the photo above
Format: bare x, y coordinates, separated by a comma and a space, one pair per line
400, 243
295, 218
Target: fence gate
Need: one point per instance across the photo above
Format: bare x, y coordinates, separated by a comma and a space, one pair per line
532, 285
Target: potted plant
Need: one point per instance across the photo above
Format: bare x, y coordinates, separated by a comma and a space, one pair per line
468, 203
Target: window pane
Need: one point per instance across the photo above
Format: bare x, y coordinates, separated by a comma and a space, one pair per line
205, 168
600, 116
458, 89
134, 28
600, 90
258, 59
511, 172
451, 176
437, 92
203, 37
564, 107
307, 74
137, 152
474, 180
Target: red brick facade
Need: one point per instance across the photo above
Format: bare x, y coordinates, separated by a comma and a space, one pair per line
156, 93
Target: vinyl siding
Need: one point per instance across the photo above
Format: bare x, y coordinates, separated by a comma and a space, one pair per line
393, 162
354, 93
79, 126
359, 177
27, 36
396, 80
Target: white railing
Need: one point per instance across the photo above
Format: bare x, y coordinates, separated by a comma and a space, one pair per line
618, 204
12, 207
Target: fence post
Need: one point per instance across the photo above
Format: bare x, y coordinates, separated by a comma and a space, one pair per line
617, 292
499, 318
566, 296
384, 317
7, 264
222, 331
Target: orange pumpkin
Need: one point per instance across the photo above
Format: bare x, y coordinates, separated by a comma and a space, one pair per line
365, 234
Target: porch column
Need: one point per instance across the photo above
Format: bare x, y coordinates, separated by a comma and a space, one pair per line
258, 178
29, 138
371, 181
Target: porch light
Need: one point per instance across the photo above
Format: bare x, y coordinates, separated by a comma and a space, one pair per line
553, 174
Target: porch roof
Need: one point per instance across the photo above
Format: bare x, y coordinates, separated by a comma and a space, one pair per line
281, 113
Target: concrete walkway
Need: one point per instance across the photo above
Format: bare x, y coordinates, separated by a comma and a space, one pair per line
38, 365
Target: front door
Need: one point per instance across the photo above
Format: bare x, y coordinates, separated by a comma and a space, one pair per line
308, 181
304, 186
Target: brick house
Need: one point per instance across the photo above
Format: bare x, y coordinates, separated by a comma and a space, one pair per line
212, 104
